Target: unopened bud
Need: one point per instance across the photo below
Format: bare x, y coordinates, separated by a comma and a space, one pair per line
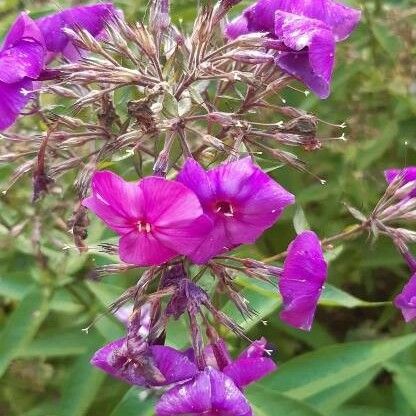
251, 57
406, 189
221, 118
213, 141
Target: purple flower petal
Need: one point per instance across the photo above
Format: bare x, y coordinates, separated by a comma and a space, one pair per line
255, 350
13, 101
91, 18
237, 27
210, 392
406, 300
309, 29
251, 365
171, 365
245, 371
23, 52
340, 18
23, 28
304, 274
314, 42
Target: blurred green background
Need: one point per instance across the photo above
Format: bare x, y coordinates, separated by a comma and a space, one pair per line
359, 359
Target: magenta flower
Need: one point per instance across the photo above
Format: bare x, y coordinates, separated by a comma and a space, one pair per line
134, 361
210, 392
302, 281
217, 389
241, 200
307, 32
156, 366
21, 61
91, 18
406, 300
156, 219
408, 175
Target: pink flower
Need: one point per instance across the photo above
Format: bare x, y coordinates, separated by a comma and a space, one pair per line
157, 219
241, 200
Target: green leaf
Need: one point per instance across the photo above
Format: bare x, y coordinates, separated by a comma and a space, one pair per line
22, 325
132, 405
364, 410
16, 287
321, 370
404, 378
58, 343
81, 387
332, 296
267, 402
332, 398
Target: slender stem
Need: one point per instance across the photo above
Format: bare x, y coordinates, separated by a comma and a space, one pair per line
357, 229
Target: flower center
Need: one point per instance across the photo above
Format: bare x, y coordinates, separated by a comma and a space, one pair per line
224, 208
144, 227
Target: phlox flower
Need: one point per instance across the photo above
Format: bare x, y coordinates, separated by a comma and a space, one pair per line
156, 219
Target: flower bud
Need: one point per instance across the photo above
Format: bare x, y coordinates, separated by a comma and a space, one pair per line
251, 57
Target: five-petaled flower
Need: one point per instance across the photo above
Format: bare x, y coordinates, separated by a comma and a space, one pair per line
241, 200
157, 219
302, 280
218, 388
306, 31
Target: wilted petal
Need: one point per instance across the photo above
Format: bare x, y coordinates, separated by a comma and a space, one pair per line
104, 357
144, 249
13, 100
406, 300
171, 365
210, 392
304, 274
